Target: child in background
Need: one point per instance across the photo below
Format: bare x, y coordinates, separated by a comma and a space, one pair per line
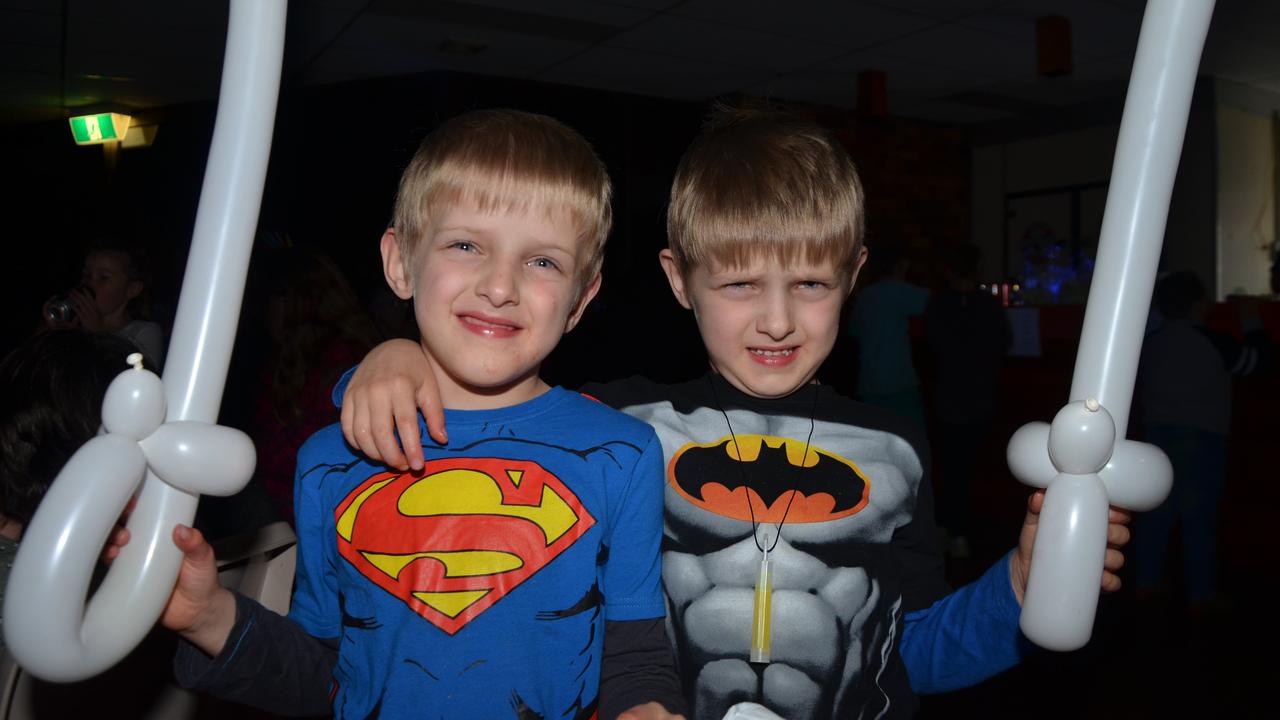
880, 322
1184, 388
110, 298
317, 330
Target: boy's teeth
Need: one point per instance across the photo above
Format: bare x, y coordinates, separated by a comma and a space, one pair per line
773, 353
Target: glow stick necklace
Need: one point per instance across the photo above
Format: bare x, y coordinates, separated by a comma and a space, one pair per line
762, 611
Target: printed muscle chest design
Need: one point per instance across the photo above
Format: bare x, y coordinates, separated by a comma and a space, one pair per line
457, 539
715, 477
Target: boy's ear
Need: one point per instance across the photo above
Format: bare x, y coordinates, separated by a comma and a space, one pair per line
588, 293
672, 269
133, 290
858, 262
393, 266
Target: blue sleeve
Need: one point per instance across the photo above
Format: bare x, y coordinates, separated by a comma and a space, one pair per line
315, 591
632, 583
340, 387
966, 637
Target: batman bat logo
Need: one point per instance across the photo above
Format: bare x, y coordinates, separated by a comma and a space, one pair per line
724, 475
457, 539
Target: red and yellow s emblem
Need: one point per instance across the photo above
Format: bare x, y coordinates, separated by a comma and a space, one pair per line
457, 539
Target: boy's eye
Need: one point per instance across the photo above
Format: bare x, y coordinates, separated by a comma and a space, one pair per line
544, 262
462, 245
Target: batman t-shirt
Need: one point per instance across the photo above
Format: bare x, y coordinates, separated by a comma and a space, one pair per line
480, 586
838, 494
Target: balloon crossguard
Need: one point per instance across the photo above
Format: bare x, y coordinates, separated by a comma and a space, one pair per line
1078, 458
158, 434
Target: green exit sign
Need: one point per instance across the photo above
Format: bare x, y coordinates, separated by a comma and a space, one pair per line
99, 128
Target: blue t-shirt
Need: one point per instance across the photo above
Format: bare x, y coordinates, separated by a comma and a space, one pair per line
480, 587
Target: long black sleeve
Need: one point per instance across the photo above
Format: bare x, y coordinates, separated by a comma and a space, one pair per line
269, 662
637, 668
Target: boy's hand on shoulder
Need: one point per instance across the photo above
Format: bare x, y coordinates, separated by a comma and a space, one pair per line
649, 711
388, 388
1118, 535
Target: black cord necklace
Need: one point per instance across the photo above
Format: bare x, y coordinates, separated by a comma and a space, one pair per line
745, 484
762, 612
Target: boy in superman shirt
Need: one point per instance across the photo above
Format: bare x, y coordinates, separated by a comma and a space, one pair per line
765, 233
516, 574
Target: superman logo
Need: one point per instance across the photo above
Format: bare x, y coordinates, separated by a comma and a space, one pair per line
769, 473
455, 540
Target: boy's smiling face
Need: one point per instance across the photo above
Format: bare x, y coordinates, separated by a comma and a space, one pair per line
493, 292
767, 328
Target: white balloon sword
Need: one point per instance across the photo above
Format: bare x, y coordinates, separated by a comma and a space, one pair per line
159, 435
1078, 458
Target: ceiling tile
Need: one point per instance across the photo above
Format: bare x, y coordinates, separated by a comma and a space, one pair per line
822, 88
597, 12
846, 25
943, 111
128, 17
716, 43
902, 75
30, 28
23, 59
957, 48
1098, 29
636, 71
937, 9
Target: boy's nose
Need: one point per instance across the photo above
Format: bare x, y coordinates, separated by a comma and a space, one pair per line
777, 319
498, 286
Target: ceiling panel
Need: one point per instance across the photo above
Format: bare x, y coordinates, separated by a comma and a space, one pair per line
939, 55
823, 88
1253, 20
902, 75
20, 27
1098, 29
943, 111
130, 16
847, 25
590, 10
636, 71
651, 5
681, 37
983, 54
938, 9
426, 45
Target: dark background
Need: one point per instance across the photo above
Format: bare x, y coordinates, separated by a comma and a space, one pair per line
337, 154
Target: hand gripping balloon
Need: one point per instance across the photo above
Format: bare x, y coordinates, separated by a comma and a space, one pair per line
159, 435
1077, 457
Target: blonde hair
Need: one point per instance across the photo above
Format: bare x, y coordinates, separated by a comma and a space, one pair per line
507, 161
764, 183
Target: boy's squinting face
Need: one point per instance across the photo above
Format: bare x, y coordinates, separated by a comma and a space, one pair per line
767, 328
493, 293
